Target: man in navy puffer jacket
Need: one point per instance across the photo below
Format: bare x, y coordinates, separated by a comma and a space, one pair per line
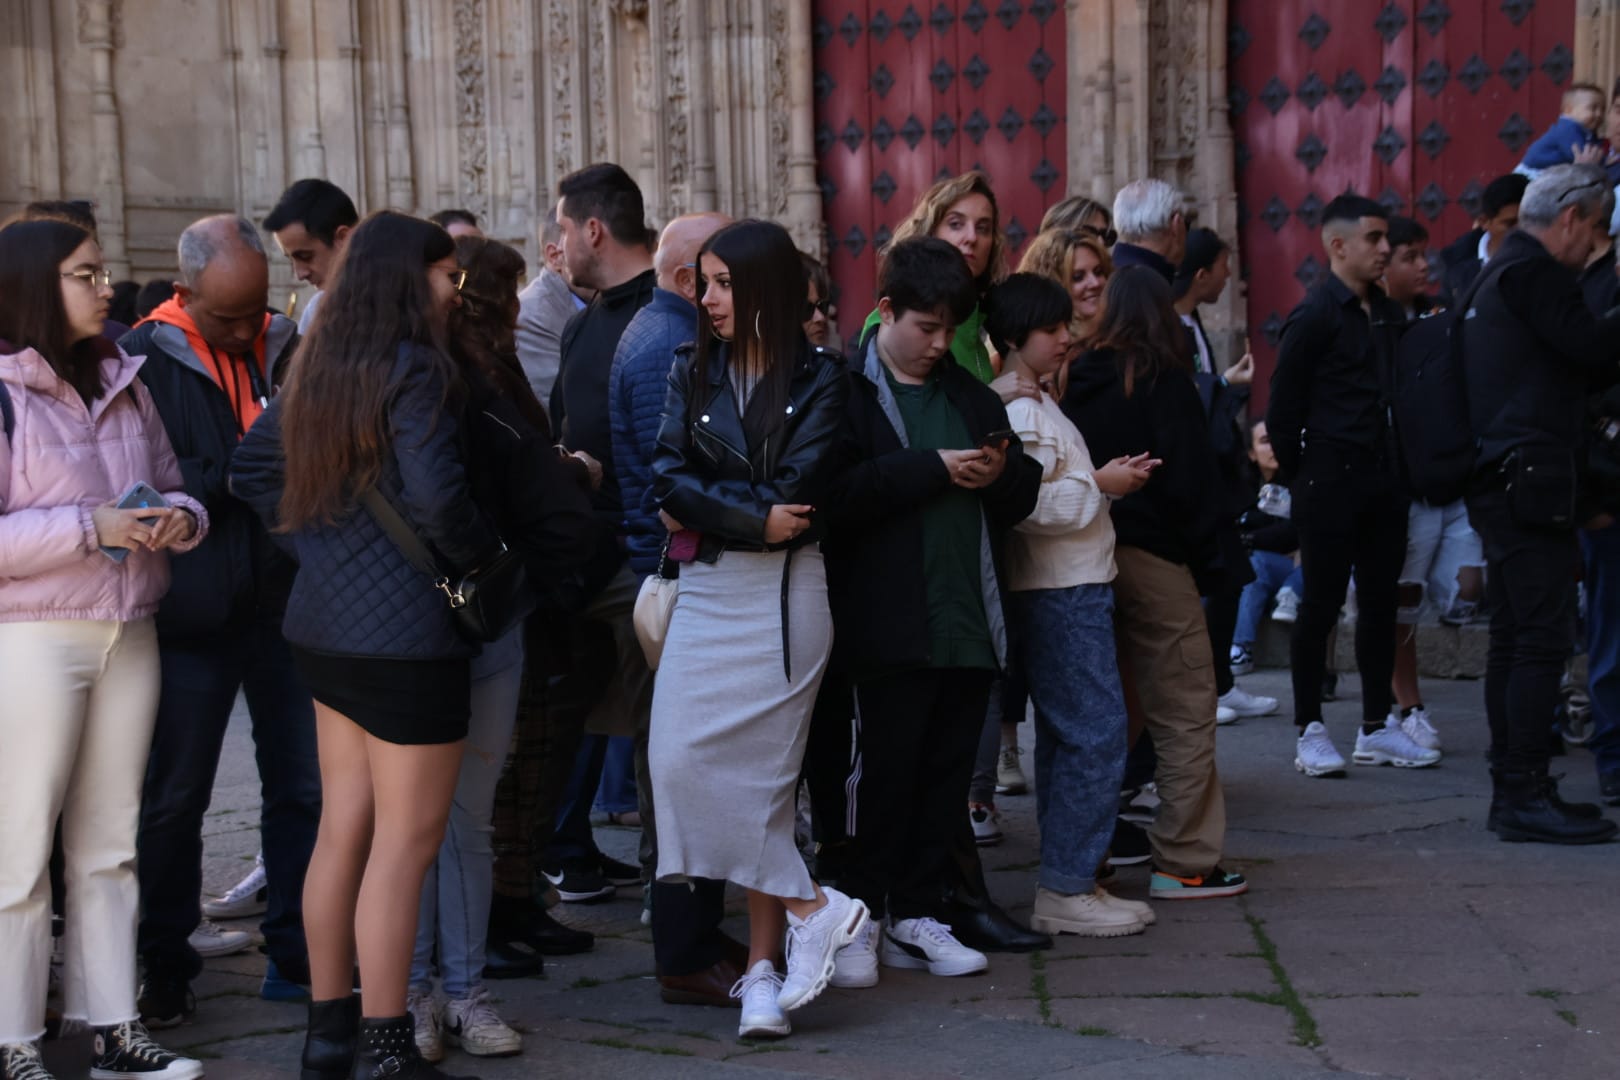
689, 949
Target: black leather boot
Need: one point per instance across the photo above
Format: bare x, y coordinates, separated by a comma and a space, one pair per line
329, 1043
387, 1051
1526, 807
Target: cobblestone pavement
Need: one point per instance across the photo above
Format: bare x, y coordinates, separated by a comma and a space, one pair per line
1386, 933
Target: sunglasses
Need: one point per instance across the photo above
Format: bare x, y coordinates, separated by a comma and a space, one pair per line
1108, 236
824, 306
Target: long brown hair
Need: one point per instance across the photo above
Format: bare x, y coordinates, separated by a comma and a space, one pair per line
334, 424
768, 288
483, 329
32, 314
1142, 328
930, 211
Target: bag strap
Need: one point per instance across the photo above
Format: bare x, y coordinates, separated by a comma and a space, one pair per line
404, 537
663, 569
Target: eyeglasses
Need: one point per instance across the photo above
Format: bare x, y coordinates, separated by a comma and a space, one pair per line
94, 278
823, 306
1108, 236
458, 278
1578, 187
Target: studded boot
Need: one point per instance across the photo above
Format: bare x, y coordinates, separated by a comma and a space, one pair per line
386, 1050
334, 1026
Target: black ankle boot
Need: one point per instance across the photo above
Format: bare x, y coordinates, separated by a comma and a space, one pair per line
329, 1043
387, 1051
1526, 807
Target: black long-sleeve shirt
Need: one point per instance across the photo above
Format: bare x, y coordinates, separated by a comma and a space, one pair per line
1328, 387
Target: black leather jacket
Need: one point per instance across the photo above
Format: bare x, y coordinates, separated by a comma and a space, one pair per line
709, 479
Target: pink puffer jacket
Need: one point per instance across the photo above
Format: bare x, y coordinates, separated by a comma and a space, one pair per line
61, 462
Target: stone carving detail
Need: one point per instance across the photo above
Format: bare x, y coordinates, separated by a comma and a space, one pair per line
598, 83
559, 69
101, 23
677, 106
472, 135
777, 108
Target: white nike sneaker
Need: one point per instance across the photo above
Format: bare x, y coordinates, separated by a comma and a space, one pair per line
473, 1024
856, 965
1420, 729
813, 943
1390, 745
1225, 714
762, 1015
1244, 703
424, 1010
1315, 755
928, 945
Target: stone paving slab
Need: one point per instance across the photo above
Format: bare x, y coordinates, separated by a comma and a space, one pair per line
1386, 933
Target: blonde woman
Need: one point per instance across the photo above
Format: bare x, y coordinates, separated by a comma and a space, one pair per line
1078, 261
1083, 214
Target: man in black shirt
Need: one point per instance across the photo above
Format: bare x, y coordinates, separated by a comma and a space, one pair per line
1330, 427
1534, 353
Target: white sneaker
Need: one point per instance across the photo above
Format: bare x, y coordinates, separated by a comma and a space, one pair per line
856, 965
813, 943
926, 944
1287, 609
1010, 778
986, 824
246, 898
1420, 730
473, 1024
212, 940
1244, 703
1390, 745
762, 1016
1242, 660
1225, 714
1085, 914
1141, 910
1315, 755
424, 1011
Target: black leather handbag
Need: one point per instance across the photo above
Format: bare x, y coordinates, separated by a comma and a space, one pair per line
487, 602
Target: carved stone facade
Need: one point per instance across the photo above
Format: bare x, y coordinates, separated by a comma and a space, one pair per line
164, 110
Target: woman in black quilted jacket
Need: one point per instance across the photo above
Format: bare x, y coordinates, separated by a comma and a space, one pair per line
372, 403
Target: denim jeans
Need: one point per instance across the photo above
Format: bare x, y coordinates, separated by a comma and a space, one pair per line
454, 910
616, 794
1272, 572
1066, 643
200, 681
1602, 549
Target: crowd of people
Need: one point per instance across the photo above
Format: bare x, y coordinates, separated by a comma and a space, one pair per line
448, 531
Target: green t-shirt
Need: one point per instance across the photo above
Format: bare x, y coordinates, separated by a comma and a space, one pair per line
967, 347
959, 635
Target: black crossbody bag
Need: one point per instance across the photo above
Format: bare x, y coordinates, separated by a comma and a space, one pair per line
487, 601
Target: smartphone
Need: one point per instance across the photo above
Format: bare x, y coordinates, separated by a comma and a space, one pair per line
139, 496
996, 438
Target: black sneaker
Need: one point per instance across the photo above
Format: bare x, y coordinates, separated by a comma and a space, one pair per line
21, 1061
578, 883
126, 1049
165, 1003
1130, 845
1609, 787
618, 873
1330, 687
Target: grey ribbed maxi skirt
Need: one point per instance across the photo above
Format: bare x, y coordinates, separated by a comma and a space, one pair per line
729, 727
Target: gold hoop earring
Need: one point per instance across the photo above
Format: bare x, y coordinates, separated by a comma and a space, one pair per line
757, 331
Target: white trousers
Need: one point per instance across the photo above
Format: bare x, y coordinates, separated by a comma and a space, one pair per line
77, 704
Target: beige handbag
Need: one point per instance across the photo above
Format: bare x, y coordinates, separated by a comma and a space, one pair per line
655, 604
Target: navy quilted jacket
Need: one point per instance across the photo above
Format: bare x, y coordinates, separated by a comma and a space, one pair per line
636, 389
355, 593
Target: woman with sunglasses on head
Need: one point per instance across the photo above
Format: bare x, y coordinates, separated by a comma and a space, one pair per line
1079, 213
742, 461
541, 509
80, 580
1077, 260
369, 418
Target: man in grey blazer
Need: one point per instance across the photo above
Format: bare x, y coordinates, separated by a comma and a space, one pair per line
545, 306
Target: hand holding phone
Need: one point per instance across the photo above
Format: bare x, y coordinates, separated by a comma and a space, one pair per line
129, 522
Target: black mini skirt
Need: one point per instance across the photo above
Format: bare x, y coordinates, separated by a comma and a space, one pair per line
408, 702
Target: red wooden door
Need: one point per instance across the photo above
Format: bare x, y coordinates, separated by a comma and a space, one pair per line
909, 92
1417, 103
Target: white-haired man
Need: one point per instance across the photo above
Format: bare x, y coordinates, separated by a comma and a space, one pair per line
1152, 227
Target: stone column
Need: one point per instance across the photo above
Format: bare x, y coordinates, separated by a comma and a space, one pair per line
803, 195
1597, 41
99, 32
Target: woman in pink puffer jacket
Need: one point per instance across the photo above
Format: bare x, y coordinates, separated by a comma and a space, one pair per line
78, 652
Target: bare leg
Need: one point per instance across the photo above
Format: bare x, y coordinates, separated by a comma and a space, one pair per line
342, 844
1404, 685
767, 924
1471, 583
413, 787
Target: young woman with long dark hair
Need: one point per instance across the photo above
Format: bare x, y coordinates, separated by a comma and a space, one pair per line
743, 459
372, 406
80, 580
1133, 392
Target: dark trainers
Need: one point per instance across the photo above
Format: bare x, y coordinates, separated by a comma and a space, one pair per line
1130, 845
618, 873
165, 1003
125, 1050
1609, 787
578, 883
1203, 887
21, 1061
